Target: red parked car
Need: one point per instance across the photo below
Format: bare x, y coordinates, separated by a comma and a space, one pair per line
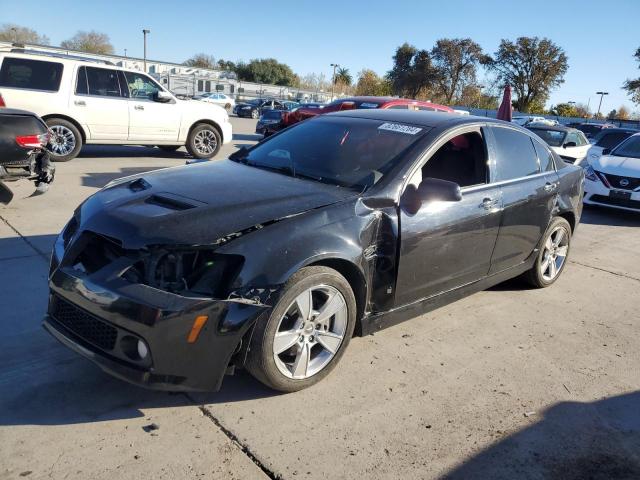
351, 103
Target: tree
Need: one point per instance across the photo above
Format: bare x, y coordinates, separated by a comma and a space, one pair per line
532, 66
343, 76
623, 113
201, 60
413, 73
564, 110
266, 70
456, 61
226, 65
633, 86
10, 32
91, 42
612, 114
369, 83
473, 96
582, 110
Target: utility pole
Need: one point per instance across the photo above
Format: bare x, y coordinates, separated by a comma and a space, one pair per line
15, 34
144, 34
333, 79
602, 94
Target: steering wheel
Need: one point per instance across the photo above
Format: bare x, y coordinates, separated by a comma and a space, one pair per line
134, 92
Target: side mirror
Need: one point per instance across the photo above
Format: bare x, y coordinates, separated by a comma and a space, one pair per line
569, 144
606, 151
429, 190
162, 97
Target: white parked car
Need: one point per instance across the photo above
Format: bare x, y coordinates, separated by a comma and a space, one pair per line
84, 101
570, 144
523, 120
225, 101
613, 180
608, 138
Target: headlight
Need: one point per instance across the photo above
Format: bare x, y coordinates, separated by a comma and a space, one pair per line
246, 108
590, 173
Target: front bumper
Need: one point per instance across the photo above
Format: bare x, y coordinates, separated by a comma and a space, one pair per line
227, 132
596, 193
101, 316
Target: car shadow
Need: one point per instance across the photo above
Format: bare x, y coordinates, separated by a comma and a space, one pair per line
251, 137
596, 215
100, 179
570, 441
44, 383
134, 151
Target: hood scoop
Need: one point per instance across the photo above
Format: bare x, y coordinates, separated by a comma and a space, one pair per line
170, 202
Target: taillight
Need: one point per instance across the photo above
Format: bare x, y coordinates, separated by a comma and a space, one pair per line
33, 141
2, 104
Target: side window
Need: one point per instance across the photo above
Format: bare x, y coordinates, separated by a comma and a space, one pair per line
610, 140
31, 74
82, 86
583, 140
426, 109
515, 155
572, 137
103, 82
140, 86
463, 160
397, 107
544, 156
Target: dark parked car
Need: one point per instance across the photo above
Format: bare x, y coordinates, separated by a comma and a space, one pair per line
254, 108
270, 122
272, 259
592, 129
23, 136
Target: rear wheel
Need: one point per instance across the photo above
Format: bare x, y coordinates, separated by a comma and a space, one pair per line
203, 141
255, 114
65, 142
553, 254
307, 332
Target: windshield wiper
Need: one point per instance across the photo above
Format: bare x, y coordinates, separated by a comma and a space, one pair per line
287, 170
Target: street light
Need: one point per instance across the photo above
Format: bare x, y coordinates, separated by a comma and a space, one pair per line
125, 53
333, 79
144, 33
15, 34
602, 94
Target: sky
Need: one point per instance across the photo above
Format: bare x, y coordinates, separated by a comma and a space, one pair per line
598, 37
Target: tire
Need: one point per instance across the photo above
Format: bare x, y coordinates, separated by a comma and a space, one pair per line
286, 318
66, 140
227, 107
543, 274
196, 141
169, 148
255, 114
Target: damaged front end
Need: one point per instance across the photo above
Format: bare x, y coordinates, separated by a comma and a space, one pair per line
172, 303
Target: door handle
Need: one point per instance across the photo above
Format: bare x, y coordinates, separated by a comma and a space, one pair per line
549, 187
80, 103
139, 107
489, 203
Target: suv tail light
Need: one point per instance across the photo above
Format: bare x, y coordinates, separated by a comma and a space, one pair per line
2, 104
33, 141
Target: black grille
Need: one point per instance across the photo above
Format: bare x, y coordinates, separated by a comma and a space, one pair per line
614, 181
84, 325
620, 202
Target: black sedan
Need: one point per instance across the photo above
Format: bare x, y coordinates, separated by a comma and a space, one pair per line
255, 108
271, 260
23, 136
270, 122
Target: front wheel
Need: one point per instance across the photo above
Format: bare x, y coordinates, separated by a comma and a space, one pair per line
203, 141
307, 332
255, 114
65, 142
553, 254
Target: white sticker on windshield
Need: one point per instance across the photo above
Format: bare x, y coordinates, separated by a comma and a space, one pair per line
397, 127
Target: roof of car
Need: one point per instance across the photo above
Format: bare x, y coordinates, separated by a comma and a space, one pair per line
423, 118
554, 128
621, 129
15, 111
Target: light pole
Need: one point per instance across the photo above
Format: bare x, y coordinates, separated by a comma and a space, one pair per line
602, 94
144, 34
125, 53
15, 34
333, 79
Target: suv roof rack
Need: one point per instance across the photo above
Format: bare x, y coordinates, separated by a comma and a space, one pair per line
27, 51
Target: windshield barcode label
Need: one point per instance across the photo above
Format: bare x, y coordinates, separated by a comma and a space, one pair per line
397, 127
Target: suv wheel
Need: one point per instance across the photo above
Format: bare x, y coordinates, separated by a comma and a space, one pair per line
307, 332
203, 141
65, 142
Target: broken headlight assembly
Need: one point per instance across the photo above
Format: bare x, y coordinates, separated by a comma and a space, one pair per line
189, 272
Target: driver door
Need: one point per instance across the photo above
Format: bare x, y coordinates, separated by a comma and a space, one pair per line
149, 120
445, 245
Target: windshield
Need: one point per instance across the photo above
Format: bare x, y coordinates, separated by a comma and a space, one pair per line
553, 138
608, 139
350, 152
629, 148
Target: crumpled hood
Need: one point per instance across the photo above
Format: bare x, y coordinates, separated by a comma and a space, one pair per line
614, 165
200, 204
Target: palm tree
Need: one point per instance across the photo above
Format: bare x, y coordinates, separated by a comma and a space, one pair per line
343, 76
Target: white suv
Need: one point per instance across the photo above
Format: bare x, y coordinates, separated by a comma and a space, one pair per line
84, 101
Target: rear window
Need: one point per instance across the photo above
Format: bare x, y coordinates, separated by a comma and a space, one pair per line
31, 74
272, 114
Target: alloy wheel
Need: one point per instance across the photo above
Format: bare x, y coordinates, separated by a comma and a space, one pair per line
310, 332
205, 142
555, 253
62, 141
